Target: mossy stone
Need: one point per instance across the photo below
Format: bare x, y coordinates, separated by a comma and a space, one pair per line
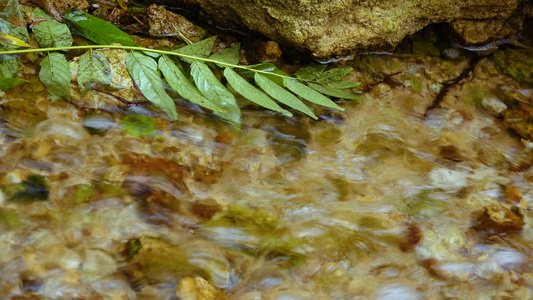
516, 63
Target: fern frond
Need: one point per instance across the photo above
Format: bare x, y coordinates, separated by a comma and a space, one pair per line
251, 93
177, 80
271, 83
282, 95
155, 72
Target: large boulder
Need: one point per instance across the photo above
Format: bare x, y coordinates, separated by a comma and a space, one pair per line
336, 27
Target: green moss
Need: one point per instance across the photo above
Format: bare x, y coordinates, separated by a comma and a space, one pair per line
280, 246
243, 216
158, 260
256, 232
342, 186
425, 42
329, 136
82, 193
371, 222
138, 125
110, 190
11, 219
367, 64
516, 63
423, 205
133, 246
475, 95
416, 85
393, 65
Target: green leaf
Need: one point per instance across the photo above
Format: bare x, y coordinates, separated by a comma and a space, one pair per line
94, 71
143, 70
39, 13
228, 56
264, 67
138, 125
309, 94
152, 54
51, 33
97, 30
249, 72
55, 75
18, 32
212, 89
343, 84
178, 82
345, 94
251, 93
199, 49
333, 75
7, 83
9, 66
310, 72
282, 95
122, 5
12, 31
11, 40
13, 8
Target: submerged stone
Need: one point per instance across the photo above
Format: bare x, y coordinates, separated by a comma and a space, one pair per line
158, 260
197, 289
499, 220
34, 188
516, 63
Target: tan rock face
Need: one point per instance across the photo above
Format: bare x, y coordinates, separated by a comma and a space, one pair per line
336, 27
480, 32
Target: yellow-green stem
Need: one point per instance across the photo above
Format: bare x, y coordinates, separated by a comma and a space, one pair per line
21, 51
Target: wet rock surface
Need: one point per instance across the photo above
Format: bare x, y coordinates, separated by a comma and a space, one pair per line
517, 63
163, 23
481, 32
326, 28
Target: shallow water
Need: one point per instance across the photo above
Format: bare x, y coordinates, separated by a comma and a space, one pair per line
387, 200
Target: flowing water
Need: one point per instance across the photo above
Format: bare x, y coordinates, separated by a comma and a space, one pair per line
395, 198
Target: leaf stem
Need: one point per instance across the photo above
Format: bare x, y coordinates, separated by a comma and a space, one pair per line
134, 48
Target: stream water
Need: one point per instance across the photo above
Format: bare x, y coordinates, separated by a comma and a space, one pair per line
395, 198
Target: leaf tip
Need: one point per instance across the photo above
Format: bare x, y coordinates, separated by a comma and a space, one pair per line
287, 113
174, 115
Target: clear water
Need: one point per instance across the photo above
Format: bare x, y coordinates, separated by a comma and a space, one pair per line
383, 201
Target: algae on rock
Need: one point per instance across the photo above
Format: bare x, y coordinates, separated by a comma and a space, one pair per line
516, 63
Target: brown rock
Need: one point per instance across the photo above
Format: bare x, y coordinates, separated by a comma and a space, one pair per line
499, 220
472, 32
198, 289
159, 184
164, 23
267, 51
512, 194
336, 27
